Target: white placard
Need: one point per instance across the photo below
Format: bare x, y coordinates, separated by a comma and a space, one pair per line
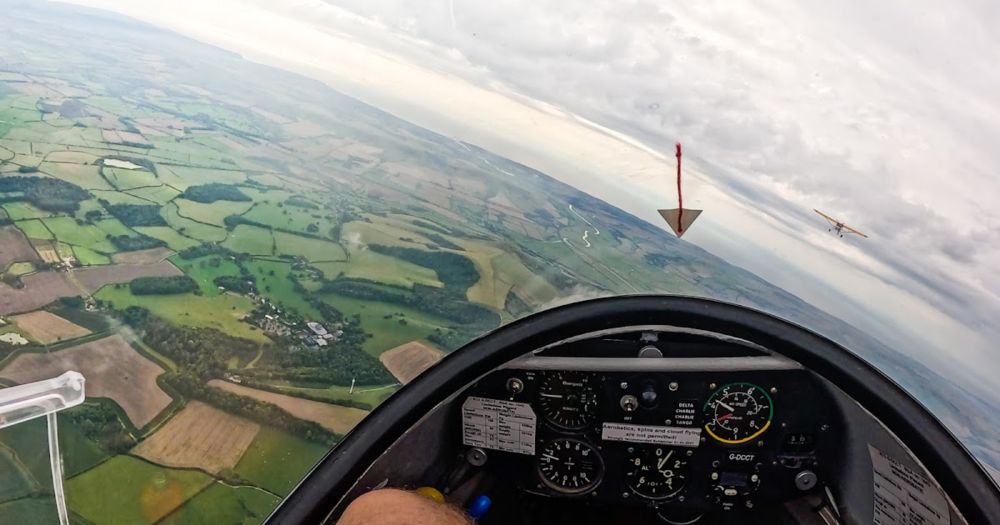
904, 496
654, 435
498, 424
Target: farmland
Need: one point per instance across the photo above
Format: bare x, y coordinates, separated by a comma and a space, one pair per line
333, 417
112, 368
199, 436
46, 327
287, 204
407, 361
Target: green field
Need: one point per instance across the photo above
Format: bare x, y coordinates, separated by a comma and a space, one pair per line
89, 236
129, 490
39, 509
181, 177
277, 460
372, 395
88, 257
21, 268
34, 229
385, 234
205, 269
22, 210
211, 213
250, 239
308, 248
223, 504
13, 482
168, 235
125, 179
273, 283
29, 442
222, 312
386, 332
190, 228
366, 264
113, 227
83, 175
118, 197
158, 194
289, 217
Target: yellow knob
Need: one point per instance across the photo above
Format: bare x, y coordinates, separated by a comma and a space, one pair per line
431, 493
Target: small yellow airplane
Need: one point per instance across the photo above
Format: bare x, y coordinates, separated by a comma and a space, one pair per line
839, 227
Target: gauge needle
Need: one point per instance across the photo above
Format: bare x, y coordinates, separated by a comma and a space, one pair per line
550, 457
723, 418
663, 460
553, 396
725, 406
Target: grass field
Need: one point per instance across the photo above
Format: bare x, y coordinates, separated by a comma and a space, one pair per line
289, 217
39, 509
277, 460
22, 210
168, 235
387, 332
205, 269
88, 257
30, 441
118, 197
181, 177
125, 179
88, 236
222, 504
83, 175
311, 249
21, 268
160, 194
190, 228
211, 213
13, 482
381, 233
366, 264
113, 227
278, 288
34, 229
191, 310
250, 239
129, 490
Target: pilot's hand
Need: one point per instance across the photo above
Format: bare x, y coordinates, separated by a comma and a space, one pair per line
400, 507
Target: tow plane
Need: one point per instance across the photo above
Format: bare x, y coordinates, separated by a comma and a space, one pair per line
837, 226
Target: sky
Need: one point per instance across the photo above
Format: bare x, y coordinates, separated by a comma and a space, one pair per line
884, 115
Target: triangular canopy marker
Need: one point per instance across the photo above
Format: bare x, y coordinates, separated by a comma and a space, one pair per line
680, 222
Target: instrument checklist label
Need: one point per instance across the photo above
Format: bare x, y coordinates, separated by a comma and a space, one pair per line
904, 496
498, 424
654, 435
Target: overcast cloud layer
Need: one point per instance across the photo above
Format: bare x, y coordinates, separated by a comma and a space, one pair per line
885, 115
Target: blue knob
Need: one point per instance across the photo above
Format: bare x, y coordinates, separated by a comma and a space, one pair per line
480, 506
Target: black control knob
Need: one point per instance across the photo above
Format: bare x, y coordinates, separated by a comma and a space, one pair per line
648, 397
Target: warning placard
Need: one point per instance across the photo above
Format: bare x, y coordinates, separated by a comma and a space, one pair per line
904, 496
655, 435
499, 424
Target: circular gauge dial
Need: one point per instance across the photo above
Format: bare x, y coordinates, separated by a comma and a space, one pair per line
657, 472
568, 399
737, 413
570, 466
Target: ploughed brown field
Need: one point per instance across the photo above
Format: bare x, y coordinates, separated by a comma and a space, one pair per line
42, 288
112, 369
331, 417
150, 256
200, 436
407, 361
46, 327
14, 247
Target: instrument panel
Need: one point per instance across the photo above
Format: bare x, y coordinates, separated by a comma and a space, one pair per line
681, 442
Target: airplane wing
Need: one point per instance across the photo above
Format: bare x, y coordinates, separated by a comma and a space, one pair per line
852, 230
825, 216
